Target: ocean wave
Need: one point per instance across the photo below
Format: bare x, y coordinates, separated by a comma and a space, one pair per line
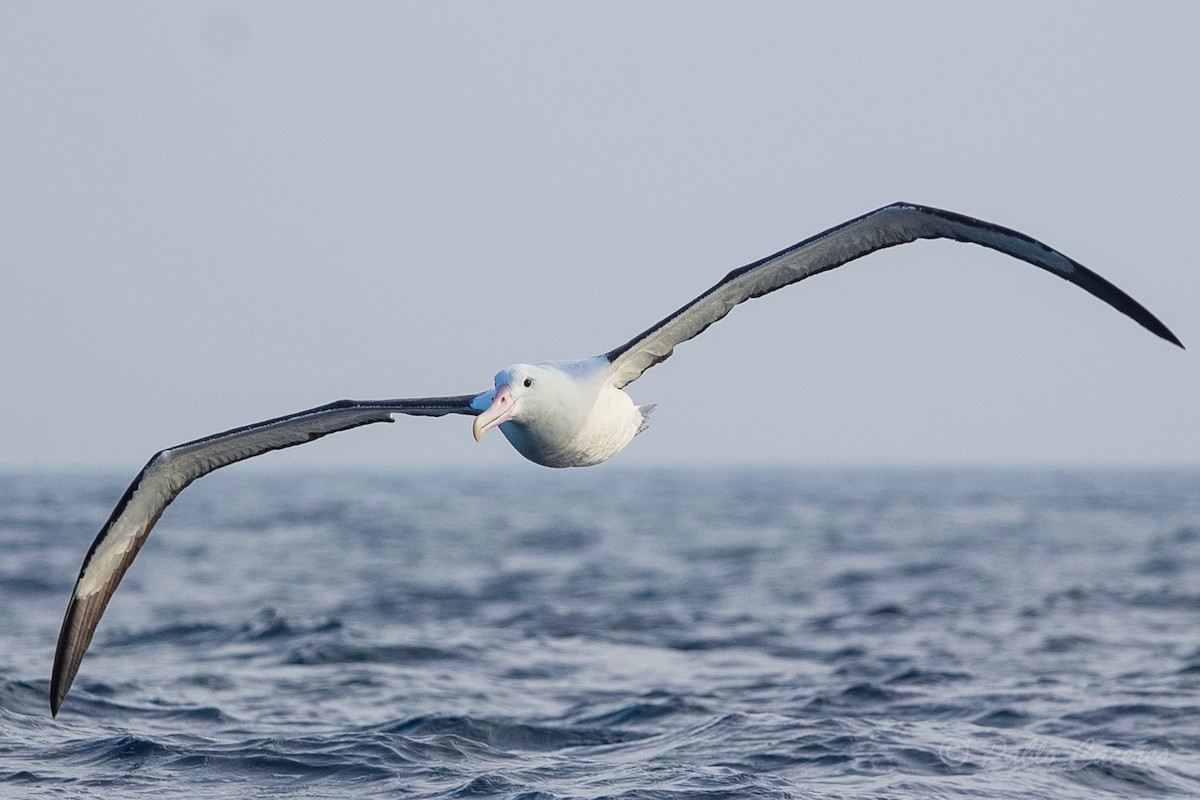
707, 634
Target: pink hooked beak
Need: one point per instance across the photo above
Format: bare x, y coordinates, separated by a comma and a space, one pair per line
499, 411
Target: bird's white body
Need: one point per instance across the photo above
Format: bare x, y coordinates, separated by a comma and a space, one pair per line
563, 413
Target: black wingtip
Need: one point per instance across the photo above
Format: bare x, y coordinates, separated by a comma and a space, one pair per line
1140, 315
60, 681
57, 694
1172, 338
1081, 276
79, 623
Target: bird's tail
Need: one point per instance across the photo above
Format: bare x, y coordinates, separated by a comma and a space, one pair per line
645, 417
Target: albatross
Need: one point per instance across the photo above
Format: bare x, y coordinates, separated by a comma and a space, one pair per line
555, 413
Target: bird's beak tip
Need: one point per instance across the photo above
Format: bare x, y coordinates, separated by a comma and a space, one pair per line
499, 411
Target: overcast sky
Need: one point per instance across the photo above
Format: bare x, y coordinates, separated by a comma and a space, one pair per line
213, 213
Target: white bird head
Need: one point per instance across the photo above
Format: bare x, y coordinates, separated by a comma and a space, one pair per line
518, 397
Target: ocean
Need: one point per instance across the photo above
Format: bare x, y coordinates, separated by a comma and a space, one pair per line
615, 633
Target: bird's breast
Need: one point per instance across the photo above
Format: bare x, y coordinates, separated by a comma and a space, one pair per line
589, 436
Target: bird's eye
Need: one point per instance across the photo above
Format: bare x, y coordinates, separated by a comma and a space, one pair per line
528, 382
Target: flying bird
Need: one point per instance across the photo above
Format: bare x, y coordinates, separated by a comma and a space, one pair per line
555, 413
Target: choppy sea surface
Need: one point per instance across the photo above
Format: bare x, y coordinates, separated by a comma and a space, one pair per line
926, 633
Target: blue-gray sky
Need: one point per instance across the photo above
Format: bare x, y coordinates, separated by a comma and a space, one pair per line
213, 213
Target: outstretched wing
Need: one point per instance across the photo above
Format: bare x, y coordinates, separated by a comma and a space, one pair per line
168, 473
889, 226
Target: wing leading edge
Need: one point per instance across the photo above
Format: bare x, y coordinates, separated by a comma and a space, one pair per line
168, 473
